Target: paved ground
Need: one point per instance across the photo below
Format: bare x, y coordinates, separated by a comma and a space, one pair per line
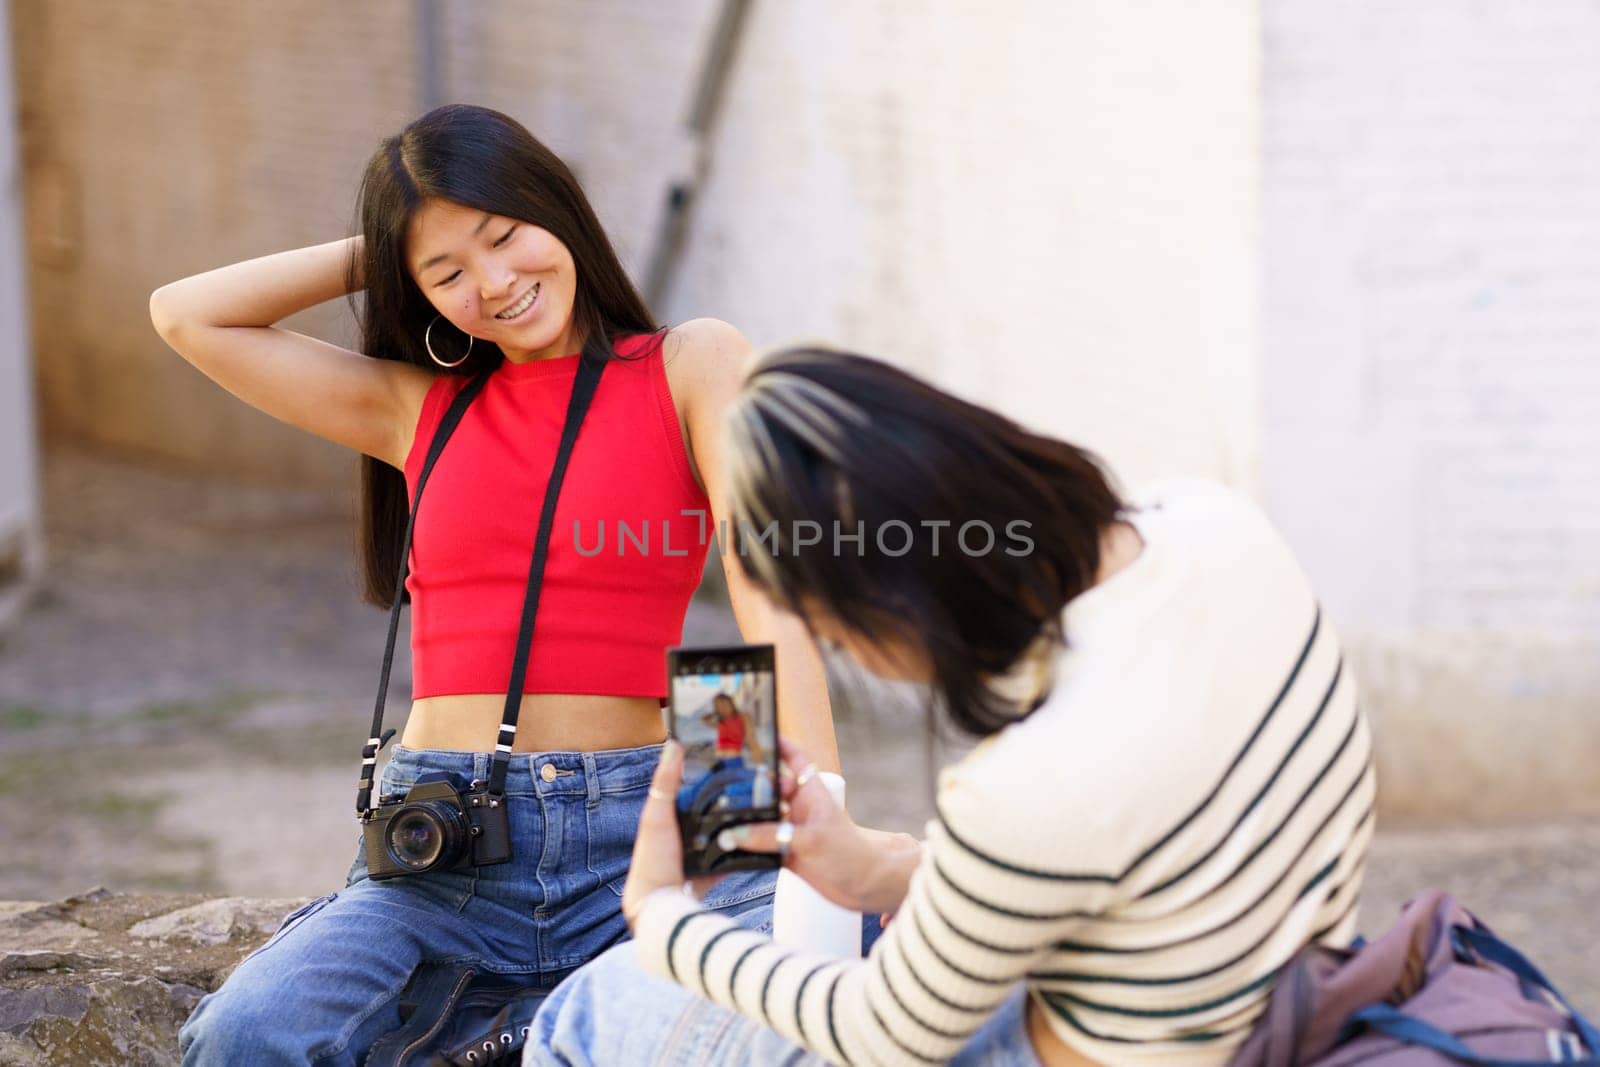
183, 708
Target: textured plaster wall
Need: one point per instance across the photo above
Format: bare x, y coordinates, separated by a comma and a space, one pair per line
1432, 396
1053, 210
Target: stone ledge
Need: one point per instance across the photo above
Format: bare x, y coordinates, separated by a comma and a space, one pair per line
108, 978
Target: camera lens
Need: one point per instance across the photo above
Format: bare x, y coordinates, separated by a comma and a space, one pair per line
425, 835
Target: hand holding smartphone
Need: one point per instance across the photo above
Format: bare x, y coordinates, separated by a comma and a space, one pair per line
723, 710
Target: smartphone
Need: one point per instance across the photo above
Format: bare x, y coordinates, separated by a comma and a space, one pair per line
723, 709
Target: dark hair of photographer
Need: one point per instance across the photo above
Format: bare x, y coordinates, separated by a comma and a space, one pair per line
481, 159
803, 451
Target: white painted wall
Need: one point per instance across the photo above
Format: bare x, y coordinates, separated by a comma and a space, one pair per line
1051, 208
1432, 386
21, 525
607, 84
1342, 256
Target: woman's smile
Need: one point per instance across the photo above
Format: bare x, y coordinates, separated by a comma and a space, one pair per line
523, 307
500, 279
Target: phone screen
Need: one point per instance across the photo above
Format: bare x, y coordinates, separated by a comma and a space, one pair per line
724, 712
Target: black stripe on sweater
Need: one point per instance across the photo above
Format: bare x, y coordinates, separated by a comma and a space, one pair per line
987, 905
1112, 879
916, 921
1315, 880
1196, 1037
1011, 868
733, 975
766, 987
1261, 846
672, 939
1167, 1013
800, 1003
1349, 905
1311, 840
705, 955
987, 946
833, 1030
905, 1009
1255, 735
1107, 979
1304, 797
883, 1027
1261, 794
940, 997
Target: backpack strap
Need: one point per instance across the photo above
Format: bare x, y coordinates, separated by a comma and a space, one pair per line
1477, 941
1390, 1020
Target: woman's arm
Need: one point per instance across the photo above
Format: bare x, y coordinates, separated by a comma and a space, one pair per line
971, 927
753, 740
222, 322
855, 867
705, 361
883, 885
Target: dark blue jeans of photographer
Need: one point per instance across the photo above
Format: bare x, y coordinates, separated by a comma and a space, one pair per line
729, 784
325, 986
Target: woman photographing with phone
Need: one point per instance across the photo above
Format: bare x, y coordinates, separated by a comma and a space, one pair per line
491, 294
1171, 796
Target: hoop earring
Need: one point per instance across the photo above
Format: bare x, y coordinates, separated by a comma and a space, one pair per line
427, 342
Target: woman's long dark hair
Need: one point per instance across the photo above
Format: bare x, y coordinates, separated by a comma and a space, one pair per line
481, 159
857, 447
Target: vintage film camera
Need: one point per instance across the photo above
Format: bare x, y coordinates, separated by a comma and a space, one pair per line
436, 827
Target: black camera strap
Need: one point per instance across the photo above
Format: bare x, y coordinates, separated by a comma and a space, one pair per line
583, 388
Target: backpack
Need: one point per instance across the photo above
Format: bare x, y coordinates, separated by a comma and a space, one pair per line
1438, 988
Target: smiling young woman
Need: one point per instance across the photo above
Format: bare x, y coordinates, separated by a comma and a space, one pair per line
481, 259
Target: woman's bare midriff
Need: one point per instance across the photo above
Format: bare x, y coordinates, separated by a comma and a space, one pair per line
548, 722
1051, 1050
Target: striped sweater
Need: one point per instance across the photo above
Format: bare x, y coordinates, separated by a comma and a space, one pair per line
1190, 805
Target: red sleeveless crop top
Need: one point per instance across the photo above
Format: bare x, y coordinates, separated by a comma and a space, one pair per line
730, 734
623, 561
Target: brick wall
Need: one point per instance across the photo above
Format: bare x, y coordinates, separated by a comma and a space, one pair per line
1432, 440
21, 525
163, 138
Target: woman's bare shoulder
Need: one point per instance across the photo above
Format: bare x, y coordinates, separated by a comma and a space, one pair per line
704, 361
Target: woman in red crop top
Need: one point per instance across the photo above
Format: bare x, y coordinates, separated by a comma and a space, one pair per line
479, 253
733, 730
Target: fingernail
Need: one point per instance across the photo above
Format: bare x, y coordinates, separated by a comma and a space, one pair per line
729, 840
670, 752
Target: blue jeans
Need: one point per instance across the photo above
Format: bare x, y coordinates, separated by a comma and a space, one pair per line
613, 1011
325, 986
